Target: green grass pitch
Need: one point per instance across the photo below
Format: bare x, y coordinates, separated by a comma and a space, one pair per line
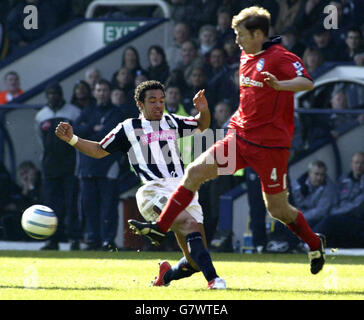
126, 275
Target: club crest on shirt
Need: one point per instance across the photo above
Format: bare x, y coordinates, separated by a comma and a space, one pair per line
260, 64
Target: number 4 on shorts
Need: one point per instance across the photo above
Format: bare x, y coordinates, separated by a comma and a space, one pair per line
273, 174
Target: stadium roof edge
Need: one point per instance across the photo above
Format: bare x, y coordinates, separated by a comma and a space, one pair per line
57, 33
88, 60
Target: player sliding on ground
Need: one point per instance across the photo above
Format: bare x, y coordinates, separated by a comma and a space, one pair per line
261, 131
150, 142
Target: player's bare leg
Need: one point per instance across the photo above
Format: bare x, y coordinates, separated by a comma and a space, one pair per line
280, 209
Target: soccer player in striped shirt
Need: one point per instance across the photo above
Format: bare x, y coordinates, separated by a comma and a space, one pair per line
151, 144
261, 130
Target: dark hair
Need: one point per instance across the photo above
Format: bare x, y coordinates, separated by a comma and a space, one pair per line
27, 164
223, 9
221, 49
86, 85
136, 54
193, 42
159, 50
143, 87
13, 73
318, 164
55, 86
105, 82
354, 29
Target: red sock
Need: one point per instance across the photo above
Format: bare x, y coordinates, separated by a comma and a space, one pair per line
301, 229
179, 200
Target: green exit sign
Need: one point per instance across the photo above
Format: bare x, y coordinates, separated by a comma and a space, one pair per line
116, 30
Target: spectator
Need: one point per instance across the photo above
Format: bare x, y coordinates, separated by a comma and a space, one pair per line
217, 70
224, 29
340, 123
158, 67
291, 42
173, 100
232, 51
190, 58
359, 59
16, 198
26, 194
10, 213
4, 40
58, 167
30, 182
196, 82
207, 37
229, 90
287, 13
99, 177
310, 13
48, 20
351, 13
176, 78
124, 80
314, 195
12, 87
92, 75
343, 22
130, 60
82, 95
329, 50
181, 33
201, 12
173, 104
140, 77
319, 128
344, 226
118, 98
353, 41
222, 114
314, 62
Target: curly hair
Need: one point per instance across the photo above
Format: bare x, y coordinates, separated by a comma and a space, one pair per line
143, 87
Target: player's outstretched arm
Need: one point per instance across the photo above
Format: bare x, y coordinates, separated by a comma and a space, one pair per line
295, 84
64, 131
203, 117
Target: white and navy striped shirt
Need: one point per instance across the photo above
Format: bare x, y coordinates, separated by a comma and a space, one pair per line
151, 145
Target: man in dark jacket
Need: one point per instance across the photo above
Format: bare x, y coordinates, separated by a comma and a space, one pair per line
344, 225
99, 177
58, 167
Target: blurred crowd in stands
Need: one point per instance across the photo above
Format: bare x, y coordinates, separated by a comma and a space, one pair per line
203, 55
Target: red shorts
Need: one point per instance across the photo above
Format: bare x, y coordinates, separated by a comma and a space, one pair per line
232, 153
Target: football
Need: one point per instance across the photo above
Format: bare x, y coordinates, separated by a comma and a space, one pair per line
39, 222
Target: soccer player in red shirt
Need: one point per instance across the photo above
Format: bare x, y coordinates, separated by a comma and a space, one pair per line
260, 132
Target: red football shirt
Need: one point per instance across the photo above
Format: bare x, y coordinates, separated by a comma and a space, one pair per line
265, 116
